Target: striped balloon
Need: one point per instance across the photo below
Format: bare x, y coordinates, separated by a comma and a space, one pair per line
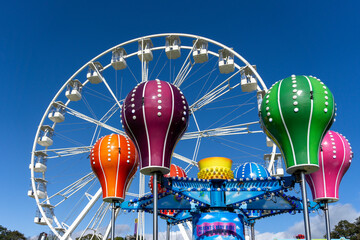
114, 160
334, 159
155, 116
296, 113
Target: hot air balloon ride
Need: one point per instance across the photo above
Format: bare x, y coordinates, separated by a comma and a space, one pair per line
335, 157
114, 160
155, 116
296, 113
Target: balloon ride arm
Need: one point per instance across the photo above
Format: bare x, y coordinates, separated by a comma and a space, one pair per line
289, 181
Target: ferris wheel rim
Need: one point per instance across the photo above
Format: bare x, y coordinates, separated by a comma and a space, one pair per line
33, 184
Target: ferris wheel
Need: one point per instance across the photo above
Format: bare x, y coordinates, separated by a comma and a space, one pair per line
224, 92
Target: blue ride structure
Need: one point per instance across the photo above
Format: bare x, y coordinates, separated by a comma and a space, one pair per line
221, 207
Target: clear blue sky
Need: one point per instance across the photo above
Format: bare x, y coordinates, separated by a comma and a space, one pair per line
42, 43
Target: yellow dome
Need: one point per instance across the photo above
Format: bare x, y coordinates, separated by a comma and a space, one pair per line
215, 168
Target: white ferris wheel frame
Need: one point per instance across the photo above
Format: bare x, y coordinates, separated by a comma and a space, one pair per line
93, 199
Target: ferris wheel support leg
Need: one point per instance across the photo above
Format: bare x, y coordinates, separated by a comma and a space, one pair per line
305, 206
155, 210
327, 220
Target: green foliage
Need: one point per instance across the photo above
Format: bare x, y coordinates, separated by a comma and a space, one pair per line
347, 230
89, 237
94, 237
6, 234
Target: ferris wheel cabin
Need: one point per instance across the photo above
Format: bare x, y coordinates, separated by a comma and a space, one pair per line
118, 61
40, 162
226, 61
279, 170
144, 50
57, 112
94, 76
200, 52
248, 81
73, 90
45, 138
172, 47
49, 213
40, 188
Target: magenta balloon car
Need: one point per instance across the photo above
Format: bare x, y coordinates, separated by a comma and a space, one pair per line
155, 116
334, 160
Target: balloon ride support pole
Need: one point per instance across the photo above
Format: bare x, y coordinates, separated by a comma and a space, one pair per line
113, 209
305, 206
327, 220
168, 231
155, 210
252, 231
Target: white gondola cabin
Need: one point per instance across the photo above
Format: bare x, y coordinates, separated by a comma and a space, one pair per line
248, 81
40, 185
45, 136
40, 162
57, 112
73, 90
49, 215
172, 47
118, 61
94, 73
200, 52
144, 50
226, 61
277, 169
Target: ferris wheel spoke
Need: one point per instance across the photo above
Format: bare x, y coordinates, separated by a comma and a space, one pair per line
108, 229
91, 120
106, 84
195, 154
185, 68
83, 213
237, 129
100, 218
215, 93
71, 189
64, 152
144, 71
104, 119
110, 113
132, 194
96, 220
185, 159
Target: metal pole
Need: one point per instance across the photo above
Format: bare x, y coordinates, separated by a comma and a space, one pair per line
252, 231
168, 231
155, 210
305, 205
113, 221
327, 220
